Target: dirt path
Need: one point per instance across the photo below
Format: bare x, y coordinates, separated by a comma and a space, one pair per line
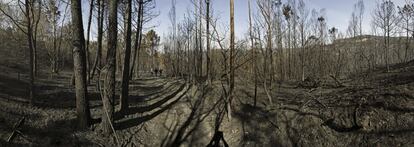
51, 122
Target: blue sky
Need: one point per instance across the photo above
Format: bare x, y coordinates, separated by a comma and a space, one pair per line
338, 12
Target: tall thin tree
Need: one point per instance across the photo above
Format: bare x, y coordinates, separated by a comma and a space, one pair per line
138, 37
88, 35
254, 57
79, 60
208, 68
127, 57
29, 34
100, 19
109, 84
303, 18
200, 39
232, 48
385, 18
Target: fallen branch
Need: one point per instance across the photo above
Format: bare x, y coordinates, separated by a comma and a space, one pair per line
269, 119
338, 83
312, 98
106, 112
23, 136
315, 99
338, 128
15, 131
312, 90
267, 93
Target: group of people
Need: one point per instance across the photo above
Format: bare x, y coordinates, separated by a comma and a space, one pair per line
156, 72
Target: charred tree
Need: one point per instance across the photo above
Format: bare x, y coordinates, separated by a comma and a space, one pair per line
79, 60
29, 34
138, 37
208, 67
88, 38
98, 57
125, 73
253, 54
108, 98
232, 47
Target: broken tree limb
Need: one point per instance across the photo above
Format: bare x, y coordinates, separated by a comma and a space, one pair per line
267, 93
106, 112
215, 142
312, 90
23, 136
312, 98
15, 127
338, 83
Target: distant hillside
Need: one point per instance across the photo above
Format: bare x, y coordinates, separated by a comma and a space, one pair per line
369, 51
367, 38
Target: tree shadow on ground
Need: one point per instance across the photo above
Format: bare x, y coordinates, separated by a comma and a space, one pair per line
11, 144
125, 124
57, 133
142, 109
143, 96
63, 100
54, 133
254, 130
191, 130
14, 87
149, 84
47, 96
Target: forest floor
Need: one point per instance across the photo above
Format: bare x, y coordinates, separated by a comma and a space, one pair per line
372, 109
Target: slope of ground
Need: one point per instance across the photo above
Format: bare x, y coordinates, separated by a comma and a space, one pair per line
374, 109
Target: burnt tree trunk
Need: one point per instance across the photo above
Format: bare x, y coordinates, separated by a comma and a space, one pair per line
253, 54
108, 99
79, 60
232, 46
88, 66
138, 39
98, 58
31, 50
208, 41
125, 72
200, 40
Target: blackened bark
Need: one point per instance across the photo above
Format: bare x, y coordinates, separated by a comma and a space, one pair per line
200, 39
125, 72
109, 84
88, 39
253, 54
232, 46
138, 38
79, 60
98, 57
209, 72
31, 50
